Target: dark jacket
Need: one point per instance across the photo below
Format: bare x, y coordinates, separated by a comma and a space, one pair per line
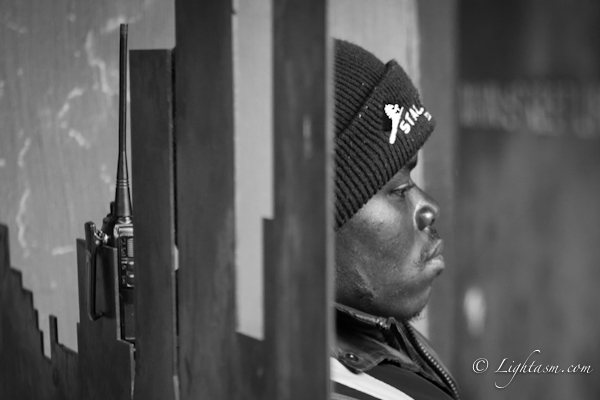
393, 352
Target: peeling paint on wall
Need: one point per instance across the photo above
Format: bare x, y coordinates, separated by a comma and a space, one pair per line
15, 26
21, 224
95, 62
81, 141
60, 250
24, 149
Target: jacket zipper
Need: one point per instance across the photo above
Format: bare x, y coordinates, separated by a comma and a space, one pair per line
434, 362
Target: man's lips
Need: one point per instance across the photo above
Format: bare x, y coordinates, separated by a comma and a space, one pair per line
436, 250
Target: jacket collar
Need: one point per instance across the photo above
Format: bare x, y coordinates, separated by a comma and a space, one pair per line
364, 341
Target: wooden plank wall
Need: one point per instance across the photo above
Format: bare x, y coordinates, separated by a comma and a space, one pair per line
299, 242
25, 373
216, 362
105, 362
154, 204
204, 120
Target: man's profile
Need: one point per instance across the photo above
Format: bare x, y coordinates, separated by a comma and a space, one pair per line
388, 252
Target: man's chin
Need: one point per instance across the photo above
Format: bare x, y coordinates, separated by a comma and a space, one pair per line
415, 313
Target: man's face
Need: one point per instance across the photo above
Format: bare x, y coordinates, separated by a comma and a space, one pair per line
388, 253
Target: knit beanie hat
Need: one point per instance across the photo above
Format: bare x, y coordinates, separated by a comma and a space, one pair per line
380, 124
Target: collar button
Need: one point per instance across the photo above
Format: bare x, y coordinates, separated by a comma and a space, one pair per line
352, 357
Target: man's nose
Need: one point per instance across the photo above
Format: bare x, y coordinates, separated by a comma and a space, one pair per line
427, 211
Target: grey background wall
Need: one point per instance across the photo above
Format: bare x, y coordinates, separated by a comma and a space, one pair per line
527, 196
58, 132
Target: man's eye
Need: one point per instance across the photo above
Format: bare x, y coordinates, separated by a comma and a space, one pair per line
402, 190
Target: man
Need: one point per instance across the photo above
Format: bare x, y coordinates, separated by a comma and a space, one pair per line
387, 251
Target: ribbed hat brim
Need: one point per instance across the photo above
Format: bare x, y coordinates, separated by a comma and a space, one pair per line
365, 159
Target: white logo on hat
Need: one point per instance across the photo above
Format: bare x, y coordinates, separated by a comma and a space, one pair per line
394, 112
